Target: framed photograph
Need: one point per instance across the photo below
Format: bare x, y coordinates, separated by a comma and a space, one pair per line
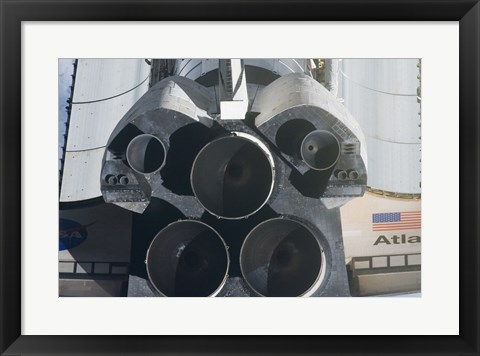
318, 158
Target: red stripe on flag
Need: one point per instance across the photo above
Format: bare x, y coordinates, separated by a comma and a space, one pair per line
376, 228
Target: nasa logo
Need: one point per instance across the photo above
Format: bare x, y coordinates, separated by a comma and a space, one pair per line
397, 240
71, 234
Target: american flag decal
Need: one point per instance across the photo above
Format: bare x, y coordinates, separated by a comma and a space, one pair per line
405, 220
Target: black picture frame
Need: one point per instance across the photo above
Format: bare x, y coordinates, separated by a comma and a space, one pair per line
13, 12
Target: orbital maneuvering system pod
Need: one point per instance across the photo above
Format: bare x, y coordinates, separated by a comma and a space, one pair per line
236, 170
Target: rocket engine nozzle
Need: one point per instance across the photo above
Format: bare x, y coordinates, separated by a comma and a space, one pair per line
232, 177
145, 154
187, 259
281, 257
320, 150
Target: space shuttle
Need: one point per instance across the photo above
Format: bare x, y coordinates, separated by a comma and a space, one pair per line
247, 177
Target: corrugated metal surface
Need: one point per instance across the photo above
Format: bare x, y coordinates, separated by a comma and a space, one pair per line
105, 89
382, 95
280, 66
92, 124
102, 78
81, 175
195, 68
394, 166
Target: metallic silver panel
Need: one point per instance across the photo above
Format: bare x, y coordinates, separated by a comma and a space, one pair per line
105, 89
382, 95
